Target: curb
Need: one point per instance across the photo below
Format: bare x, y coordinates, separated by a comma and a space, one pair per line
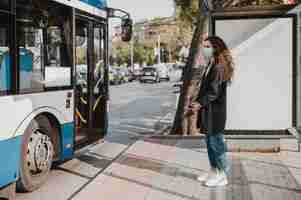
271, 149
256, 150
177, 137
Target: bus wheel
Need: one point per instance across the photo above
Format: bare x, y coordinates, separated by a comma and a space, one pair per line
36, 156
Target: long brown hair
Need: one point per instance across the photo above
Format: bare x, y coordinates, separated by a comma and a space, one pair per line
222, 55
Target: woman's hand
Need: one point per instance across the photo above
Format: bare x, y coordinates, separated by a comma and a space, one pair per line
195, 106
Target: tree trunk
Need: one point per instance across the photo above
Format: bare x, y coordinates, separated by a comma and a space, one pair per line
185, 124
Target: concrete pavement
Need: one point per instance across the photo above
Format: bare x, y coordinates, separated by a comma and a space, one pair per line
131, 165
137, 110
166, 169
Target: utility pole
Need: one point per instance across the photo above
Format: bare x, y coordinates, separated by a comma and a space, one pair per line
132, 54
159, 49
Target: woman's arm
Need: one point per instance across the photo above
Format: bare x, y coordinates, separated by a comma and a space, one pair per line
214, 88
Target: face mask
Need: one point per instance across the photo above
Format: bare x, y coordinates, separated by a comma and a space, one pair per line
208, 52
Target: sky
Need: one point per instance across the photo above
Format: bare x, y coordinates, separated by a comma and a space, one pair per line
145, 9
142, 9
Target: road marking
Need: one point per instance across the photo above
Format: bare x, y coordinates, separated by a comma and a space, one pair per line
137, 127
167, 104
124, 131
166, 120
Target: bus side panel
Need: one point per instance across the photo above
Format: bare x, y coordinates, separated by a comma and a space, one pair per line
30, 105
10, 152
66, 131
60, 105
67, 140
18, 111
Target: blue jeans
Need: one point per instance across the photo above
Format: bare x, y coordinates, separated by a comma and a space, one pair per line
216, 148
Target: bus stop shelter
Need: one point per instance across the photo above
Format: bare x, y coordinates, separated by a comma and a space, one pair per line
265, 95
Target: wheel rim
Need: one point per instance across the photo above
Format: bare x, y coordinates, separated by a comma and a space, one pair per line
39, 153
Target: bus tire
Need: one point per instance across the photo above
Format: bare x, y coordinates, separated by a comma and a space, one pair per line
36, 155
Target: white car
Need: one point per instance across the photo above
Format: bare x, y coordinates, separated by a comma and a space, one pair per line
149, 74
163, 72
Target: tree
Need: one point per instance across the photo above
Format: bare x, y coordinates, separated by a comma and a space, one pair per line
192, 68
192, 12
143, 52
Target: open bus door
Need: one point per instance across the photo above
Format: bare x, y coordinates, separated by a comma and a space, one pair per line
90, 91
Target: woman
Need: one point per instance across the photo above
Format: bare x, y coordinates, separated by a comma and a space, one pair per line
211, 103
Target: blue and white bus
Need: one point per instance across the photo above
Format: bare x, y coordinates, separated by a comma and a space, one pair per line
53, 83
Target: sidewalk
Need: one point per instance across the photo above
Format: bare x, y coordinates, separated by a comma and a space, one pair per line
166, 169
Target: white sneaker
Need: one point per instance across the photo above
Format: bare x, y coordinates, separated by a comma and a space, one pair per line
219, 179
204, 177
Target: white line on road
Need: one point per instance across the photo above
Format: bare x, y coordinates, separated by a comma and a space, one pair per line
167, 104
137, 127
166, 120
124, 131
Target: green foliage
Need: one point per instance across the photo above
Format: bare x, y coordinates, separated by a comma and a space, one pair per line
142, 53
186, 15
187, 9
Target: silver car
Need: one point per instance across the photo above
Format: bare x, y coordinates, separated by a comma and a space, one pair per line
149, 74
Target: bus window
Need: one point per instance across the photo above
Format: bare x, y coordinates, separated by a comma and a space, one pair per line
30, 24
81, 56
5, 68
45, 44
98, 99
59, 49
98, 59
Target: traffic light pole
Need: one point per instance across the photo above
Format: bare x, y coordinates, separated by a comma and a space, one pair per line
159, 49
132, 54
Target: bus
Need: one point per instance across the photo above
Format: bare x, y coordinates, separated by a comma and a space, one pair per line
53, 85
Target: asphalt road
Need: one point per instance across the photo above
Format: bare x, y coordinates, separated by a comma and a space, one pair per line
141, 109
136, 110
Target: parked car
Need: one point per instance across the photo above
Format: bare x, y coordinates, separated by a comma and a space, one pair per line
149, 74
114, 77
124, 74
131, 76
163, 72
170, 67
137, 74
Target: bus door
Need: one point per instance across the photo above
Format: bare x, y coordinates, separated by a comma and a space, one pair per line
90, 91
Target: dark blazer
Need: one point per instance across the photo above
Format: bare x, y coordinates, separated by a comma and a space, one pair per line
213, 99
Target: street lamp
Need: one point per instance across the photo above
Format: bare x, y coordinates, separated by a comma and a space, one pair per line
113, 13
126, 22
132, 51
207, 6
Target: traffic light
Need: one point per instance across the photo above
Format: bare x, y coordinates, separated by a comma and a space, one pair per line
164, 55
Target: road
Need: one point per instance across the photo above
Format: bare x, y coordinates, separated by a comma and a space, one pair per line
140, 109
136, 110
